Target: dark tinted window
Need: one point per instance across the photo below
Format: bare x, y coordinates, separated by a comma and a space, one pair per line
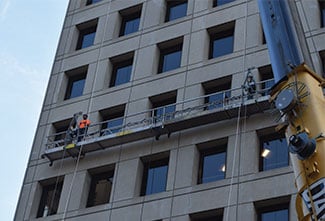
170, 58
86, 37
113, 123
282, 215
221, 2
89, 2
322, 9
121, 73
154, 177
75, 86
100, 189
175, 10
50, 199
164, 108
322, 55
130, 23
212, 164
219, 95
274, 152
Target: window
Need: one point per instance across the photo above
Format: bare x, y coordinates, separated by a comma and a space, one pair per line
322, 56
273, 209
89, 2
267, 81
100, 186
170, 55
59, 132
76, 82
175, 9
163, 106
221, 2
122, 69
155, 170
210, 215
87, 32
221, 40
130, 20
218, 91
274, 151
212, 165
322, 11
112, 120
51, 192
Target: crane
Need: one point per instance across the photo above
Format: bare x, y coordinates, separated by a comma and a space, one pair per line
298, 95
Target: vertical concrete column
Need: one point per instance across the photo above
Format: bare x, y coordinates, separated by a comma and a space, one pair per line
128, 179
79, 193
185, 175
249, 150
171, 170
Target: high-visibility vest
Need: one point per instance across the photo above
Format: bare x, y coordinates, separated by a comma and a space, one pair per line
84, 123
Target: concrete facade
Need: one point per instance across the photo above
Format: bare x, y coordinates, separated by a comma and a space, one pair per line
244, 185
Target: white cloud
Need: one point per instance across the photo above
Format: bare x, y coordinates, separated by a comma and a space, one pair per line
4, 6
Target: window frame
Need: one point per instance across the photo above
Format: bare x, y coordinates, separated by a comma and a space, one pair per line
215, 37
163, 52
215, 3
111, 114
267, 137
265, 74
172, 4
322, 13
96, 177
152, 163
219, 149
214, 87
73, 79
272, 205
119, 65
161, 101
84, 29
127, 18
56, 186
90, 2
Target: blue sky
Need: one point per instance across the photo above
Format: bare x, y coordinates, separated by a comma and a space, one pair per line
30, 32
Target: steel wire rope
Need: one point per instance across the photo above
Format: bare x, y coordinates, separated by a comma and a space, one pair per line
88, 111
238, 131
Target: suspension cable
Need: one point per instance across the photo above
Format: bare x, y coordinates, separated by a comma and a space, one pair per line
88, 111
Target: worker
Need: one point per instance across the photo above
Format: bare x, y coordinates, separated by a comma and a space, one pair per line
83, 126
250, 86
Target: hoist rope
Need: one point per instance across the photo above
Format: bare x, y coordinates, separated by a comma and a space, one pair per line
238, 131
88, 111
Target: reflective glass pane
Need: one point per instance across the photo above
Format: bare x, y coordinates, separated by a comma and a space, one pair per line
222, 46
88, 40
217, 100
177, 11
278, 155
221, 2
171, 61
157, 179
164, 112
115, 125
77, 88
278, 215
131, 26
213, 167
123, 75
323, 15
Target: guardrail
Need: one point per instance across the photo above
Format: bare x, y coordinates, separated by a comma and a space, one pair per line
159, 116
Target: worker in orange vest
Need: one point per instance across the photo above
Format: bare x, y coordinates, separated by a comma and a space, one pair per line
83, 126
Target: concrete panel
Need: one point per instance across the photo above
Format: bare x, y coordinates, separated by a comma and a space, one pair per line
99, 215
199, 49
185, 166
156, 210
79, 59
310, 8
154, 13
204, 200
161, 83
133, 213
126, 180
167, 33
246, 211
269, 187
147, 62
249, 149
22, 202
